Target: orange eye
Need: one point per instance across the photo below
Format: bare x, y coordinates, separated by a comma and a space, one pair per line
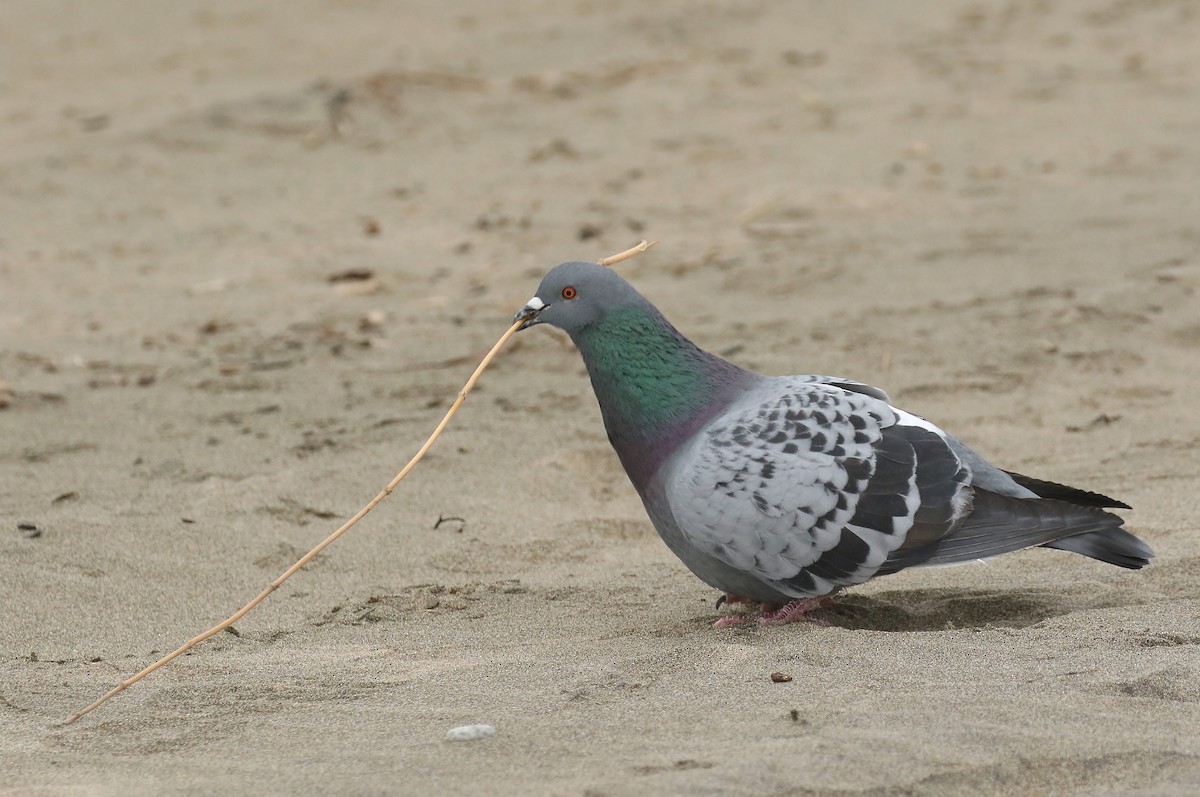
569, 293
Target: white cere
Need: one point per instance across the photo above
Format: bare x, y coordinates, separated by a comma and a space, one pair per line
535, 304
469, 733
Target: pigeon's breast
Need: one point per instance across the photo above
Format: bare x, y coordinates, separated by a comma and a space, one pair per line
709, 569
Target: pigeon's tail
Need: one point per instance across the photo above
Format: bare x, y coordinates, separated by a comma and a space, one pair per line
1061, 492
1115, 546
998, 524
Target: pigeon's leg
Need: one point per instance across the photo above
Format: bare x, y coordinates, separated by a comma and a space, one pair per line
794, 612
731, 620
731, 599
773, 613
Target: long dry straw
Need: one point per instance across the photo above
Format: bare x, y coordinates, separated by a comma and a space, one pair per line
325, 543
628, 253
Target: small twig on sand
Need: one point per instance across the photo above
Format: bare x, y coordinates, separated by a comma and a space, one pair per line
308, 557
758, 211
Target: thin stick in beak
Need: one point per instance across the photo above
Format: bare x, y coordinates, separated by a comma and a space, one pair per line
612, 260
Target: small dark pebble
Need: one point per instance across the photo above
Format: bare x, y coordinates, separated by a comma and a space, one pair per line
795, 714
30, 530
589, 231
187, 520
233, 631
71, 496
780, 678
351, 275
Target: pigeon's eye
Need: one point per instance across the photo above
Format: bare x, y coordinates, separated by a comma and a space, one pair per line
569, 293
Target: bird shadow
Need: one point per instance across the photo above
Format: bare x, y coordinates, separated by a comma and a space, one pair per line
946, 609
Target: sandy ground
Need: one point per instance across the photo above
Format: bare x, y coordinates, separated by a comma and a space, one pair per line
991, 210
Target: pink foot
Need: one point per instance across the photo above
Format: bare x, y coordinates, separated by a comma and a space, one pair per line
794, 612
772, 613
730, 620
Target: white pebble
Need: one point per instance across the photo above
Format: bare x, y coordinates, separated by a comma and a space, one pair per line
469, 733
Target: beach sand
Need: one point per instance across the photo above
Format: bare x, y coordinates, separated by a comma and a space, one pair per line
250, 251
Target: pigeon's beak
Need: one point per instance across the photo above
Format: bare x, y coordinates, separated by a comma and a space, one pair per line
530, 312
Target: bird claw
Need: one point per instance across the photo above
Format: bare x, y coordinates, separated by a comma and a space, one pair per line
730, 599
796, 611
732, 620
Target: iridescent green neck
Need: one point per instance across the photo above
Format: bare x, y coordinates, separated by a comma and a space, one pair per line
655, 387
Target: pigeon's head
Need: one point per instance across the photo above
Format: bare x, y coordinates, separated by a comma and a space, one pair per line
574, 296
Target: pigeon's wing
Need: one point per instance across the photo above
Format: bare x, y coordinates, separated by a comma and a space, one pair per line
1000, 524
810, 486
852, 385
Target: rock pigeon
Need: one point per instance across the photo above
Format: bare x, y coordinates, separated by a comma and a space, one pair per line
783, 490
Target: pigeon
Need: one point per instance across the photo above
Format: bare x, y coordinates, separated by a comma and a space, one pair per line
784, 490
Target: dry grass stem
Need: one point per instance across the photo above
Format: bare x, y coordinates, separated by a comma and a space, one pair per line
628, 253
308, 557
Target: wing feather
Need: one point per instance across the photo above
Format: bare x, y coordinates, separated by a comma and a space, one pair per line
812, 487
